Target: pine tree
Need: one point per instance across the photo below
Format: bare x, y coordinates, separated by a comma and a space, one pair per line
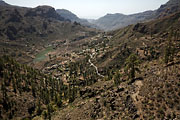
39, 110
152, 52
59, 101
49, 111
131, 66
117, 78
33, 89
4, 91
14, 84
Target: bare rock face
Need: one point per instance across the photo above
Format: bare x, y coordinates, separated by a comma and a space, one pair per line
18, 22
140, 28
11, 32
172, 6
15, 16
45, 12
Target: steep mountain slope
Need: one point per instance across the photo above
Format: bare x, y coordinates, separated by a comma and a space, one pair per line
71, 16
26, 93
131, 73
38, 22
24, 31
170, 7
139, 35
67, 14
115, 21
153, 94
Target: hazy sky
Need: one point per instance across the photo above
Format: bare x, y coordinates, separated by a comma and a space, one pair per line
94, 8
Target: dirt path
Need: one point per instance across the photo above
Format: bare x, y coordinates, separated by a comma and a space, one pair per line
91, 64
137, 98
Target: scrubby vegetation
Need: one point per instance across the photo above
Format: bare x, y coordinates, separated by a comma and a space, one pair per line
26, 92
129, 73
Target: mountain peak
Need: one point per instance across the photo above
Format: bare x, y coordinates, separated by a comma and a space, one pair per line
72, 17
44, 11
67, 14
172, 6
2, 3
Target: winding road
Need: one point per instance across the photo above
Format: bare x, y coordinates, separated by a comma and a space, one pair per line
91, 64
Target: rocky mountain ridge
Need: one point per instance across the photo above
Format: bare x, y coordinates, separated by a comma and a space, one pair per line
115, 21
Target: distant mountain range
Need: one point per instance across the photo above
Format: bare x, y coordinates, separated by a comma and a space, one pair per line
65, 14
115, 21
118, 20
72, 17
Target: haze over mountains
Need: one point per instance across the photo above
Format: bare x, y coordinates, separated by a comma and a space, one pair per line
115, 21
118, 20
69, 15
54, 66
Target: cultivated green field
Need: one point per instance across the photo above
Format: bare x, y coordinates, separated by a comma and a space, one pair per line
43, 54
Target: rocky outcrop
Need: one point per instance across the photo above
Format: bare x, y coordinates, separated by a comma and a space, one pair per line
45, 12
171, 7
140, 28
11, 32
15, 16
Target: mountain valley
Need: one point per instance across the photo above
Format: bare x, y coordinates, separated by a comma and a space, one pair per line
56, 66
